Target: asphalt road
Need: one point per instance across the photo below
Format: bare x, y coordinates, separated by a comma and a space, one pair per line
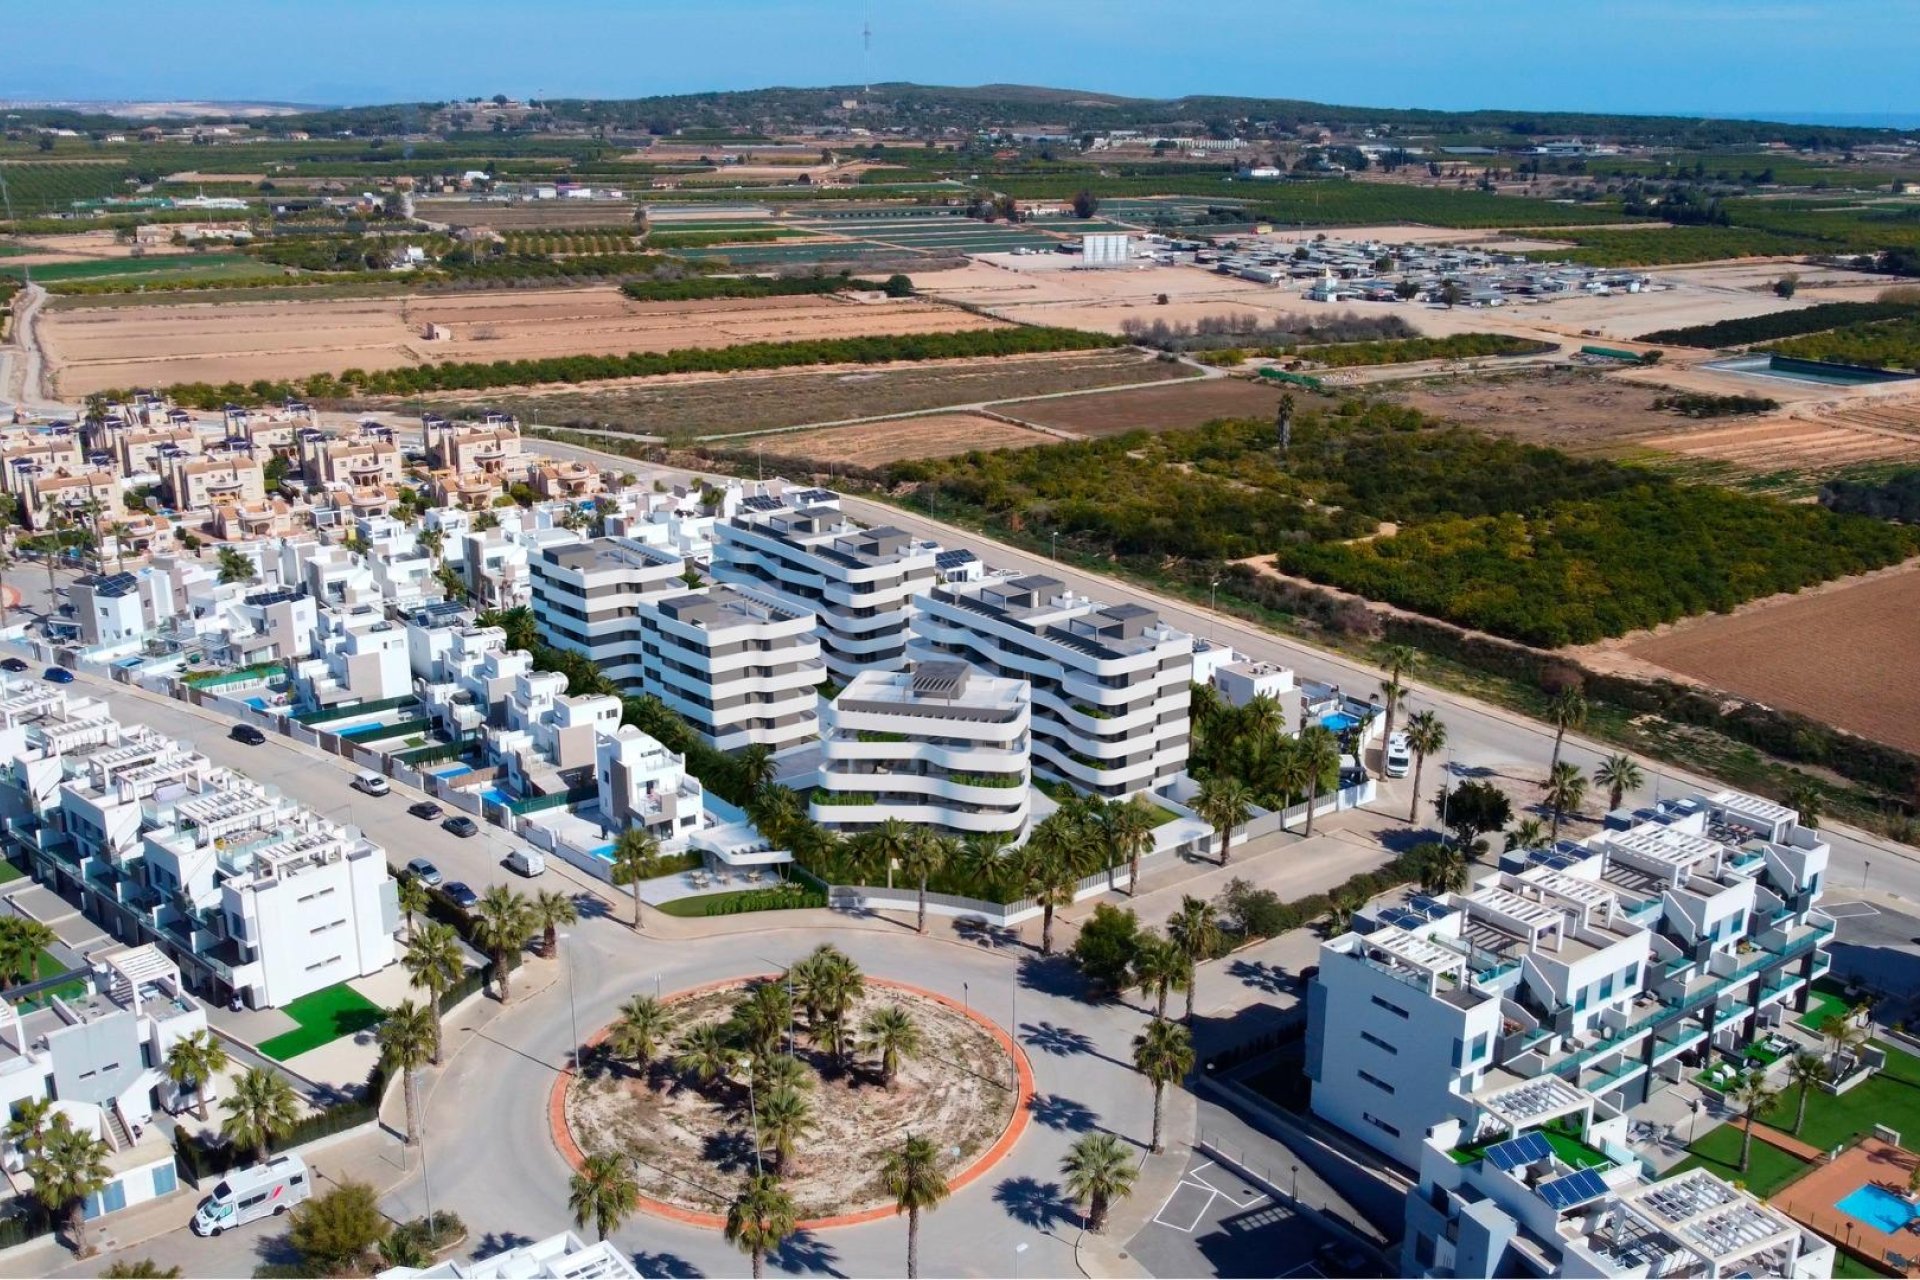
1217, 1223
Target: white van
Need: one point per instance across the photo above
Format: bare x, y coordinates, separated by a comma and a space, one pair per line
1398, 757
372, 783
527, 862
257, 1191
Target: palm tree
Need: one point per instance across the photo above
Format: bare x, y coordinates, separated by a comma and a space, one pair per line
1806, 799
26, 1131
434, 961
549, 910
1445, 870
1425, 735
1397, 660
433, 542
602, 1192
1321, 750
414, 900
760, 1219
409, 1038
1845, 1035
1223, 804
1752, 1096
1566, 788
261, 1107
885, 846
704, 1054
502, 923
763, 1017
893, 1034
1566, 710
636, 857
925, 855
70, 1166
756, 766
192, 1064
1050, 869
1290, 775
1098, 1171
913, 1179
639, 1031
1164, 1055
1129, 830
22, 939
1159, 967
1805, 1071
838, 984
783, 1117
983, 860
1528, 833
775, 810
1195, 930
1619, 775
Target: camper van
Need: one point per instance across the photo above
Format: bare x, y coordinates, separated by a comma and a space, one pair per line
257, 1191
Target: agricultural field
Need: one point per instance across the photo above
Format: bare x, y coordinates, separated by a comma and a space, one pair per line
162, 271
52, 187
532, 215
731, 405
1163, 408
875, 444
1780, 653
1881, 344
1793, 455
571, 243
181, 342
1668, 246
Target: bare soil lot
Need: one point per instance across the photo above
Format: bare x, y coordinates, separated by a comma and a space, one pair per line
531, 215
728, 404
874, 444
1162, 408
1579, 411
1783, 654
183, 341
1809, 448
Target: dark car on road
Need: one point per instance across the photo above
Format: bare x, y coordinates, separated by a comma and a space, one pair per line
1337, 1258
59, 675
461, 825
459, 895
423, 871
424, 809
14, 664
248, 734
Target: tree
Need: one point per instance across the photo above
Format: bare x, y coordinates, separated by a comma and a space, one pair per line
27, 1130
1566, 789
1619, 775
636, 858
760, 1219
434, 542
1050, 868
1195, 930
1098, 1171
1444, 869
414, 900
1129, 829
1159, 967
434, 961
1397, 660
1528, 833
333, 1233
783, 1117
1472, 809
762, 1018
1223, 804
502, 923
1750, 1097
893, 1034
261, 1108
922, 859
756, 766
236, 566
409, 1038
602, 1192
1108, 946
70, 1166
884, 846
1806, 799
139, 1269
1163, 1054
898, 286
549, 910
1566, 710
705, 1054
1085, 204
1787, 285
640, 1030
22, 939
913, 1178
192, 1064
1805, 1071
1321, 751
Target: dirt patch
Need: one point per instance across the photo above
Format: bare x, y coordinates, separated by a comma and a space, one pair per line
1574, 410
693, 1146
1806, 448
1162, 408
874, 444
529, 215
1782, 653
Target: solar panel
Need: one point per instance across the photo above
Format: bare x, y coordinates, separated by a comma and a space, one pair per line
1515, 1152
761, 502
953, 559
1573, 1190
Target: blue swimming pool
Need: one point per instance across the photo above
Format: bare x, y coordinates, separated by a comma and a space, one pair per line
257, 702
494, 795
1339, 721
1878, 1208
452, 771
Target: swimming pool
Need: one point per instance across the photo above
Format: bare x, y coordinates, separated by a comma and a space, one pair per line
1818, 373
452, 771
1878, 1208
257, 702
494, 795
1339, 721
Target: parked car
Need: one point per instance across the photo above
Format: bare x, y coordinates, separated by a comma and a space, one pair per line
461, 825
248, 734
14, 664
59, 675
460, 895
528, 862
371, 783
424, 809
1398, 756
1337, 1258
424, 871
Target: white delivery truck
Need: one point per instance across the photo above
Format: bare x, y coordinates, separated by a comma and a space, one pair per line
257, 1191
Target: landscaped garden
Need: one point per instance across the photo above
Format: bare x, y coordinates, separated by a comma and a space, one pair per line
819, 1087
324, 1016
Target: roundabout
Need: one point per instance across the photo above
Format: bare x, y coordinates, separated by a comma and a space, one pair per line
828, 1092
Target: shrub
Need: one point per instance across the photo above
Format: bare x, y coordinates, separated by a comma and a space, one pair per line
1107, 945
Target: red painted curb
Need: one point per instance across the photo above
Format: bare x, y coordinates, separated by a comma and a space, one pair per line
570, 1150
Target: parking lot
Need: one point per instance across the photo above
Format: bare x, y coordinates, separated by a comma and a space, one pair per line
1218, 1223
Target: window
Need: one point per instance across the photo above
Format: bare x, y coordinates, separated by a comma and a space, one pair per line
165, 1180
1606, 987
1393, 1009
1376, 1082
1633, 975
1377, 1042
1481, 1044
1379, 1124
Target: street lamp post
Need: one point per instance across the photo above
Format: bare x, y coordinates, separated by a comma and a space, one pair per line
573, 1014
1056, 544
1213, 607
1018, 1249
753, 1114
966, 999
1865, 867
1296, 1184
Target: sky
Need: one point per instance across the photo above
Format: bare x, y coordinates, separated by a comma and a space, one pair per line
1777, 59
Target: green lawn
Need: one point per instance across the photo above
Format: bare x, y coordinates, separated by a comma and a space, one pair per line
1891, 1097
324, 1016
9, 872
1848, 1267
720, 904
1824, 1001
1719, 1151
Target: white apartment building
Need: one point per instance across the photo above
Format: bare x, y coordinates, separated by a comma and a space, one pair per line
739, 666
250, 893
562, 1257
589, 595
1602, 970
941, 746
359, 656
642, 784
859, 583
1110, 683
547, 741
